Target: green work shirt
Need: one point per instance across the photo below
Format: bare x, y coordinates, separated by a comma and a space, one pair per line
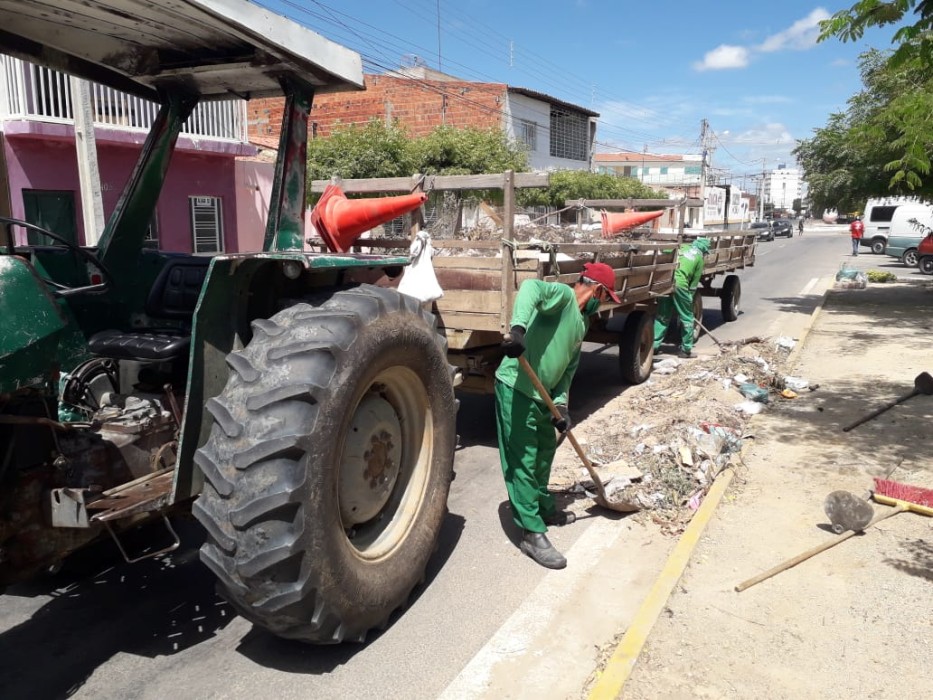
689, 267
554, 330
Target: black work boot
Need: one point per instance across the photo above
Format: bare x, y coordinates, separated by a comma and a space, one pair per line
537, 546
560, 518
684, 353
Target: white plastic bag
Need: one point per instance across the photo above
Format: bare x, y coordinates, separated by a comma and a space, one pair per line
419, 280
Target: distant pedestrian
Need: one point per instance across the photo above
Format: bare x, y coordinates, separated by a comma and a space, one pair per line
800, 225
856, 229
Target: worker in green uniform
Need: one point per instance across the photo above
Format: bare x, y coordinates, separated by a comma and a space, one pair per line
686, 279
549, 321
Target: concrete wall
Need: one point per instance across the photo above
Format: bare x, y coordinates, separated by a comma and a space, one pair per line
51, 164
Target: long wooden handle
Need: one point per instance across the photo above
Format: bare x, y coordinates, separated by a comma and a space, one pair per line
878, 411
539, 387
816, 550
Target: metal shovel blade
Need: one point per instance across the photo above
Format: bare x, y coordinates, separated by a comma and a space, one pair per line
846, 511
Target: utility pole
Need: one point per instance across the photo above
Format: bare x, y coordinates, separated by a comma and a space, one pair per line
440, 66
88, 173
761, 193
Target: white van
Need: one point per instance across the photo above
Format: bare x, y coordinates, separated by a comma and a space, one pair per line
879, 214
904, 236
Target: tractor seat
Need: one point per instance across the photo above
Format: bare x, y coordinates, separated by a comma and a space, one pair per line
173, 296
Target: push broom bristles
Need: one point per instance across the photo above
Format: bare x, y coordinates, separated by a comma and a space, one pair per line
904, 492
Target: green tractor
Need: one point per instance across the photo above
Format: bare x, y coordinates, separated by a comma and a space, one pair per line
304, 416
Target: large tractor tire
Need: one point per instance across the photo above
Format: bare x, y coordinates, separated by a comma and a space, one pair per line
328, 465
636, 347
730, 297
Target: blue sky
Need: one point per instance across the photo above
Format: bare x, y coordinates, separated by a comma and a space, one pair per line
653, 70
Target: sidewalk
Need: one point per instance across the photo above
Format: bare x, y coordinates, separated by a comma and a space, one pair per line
856, 620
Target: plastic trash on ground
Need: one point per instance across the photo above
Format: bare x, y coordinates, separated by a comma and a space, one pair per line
668, 366
796, 383
849, 278
749, 407
785, 342
754, 392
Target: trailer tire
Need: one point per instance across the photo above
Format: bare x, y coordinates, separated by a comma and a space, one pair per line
328, 464
636, 347
731, 297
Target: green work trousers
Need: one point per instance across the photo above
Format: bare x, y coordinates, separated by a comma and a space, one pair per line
680, 301
527, 443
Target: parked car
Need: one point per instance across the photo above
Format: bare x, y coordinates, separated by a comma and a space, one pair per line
763, 229
782, 227
904, 248
886, 217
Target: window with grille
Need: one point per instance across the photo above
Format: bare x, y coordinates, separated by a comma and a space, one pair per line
568, 134
152, 234
206, 224
527, 134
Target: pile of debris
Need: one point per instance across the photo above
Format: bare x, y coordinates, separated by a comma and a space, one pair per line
662, 444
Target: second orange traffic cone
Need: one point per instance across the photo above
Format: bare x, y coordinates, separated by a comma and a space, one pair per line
615, 223
340, 221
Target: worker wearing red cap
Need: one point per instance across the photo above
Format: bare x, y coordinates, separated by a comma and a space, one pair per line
549, 321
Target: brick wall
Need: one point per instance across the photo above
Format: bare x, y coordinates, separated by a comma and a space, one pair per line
418, 105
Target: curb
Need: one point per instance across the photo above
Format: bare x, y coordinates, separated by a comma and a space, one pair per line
611, 681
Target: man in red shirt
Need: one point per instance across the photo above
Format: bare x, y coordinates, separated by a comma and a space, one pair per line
856, 229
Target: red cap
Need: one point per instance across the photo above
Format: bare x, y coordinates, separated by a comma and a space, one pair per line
602, 273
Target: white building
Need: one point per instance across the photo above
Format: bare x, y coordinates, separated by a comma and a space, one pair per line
781, 187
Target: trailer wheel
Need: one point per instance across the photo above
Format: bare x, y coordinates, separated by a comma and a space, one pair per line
910, 257
731, 297
636, 347
926, 265
328, 464
878, 245
697, 315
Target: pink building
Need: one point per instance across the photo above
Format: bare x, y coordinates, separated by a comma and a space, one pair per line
199, 210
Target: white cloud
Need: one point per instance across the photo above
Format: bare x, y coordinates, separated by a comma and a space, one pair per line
722, 57
839, 63
800, 36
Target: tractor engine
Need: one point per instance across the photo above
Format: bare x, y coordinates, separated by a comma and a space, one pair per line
58, 457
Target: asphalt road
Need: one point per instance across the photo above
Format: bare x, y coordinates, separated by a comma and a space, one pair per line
104, 629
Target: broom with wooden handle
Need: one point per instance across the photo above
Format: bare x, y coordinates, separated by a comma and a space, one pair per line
903, 497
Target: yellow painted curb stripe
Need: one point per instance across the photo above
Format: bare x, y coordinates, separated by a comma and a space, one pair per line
620, 665
622, 662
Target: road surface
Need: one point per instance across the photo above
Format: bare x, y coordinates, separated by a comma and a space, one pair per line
104, 629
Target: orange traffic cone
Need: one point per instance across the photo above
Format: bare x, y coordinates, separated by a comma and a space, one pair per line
340, 221
614, 223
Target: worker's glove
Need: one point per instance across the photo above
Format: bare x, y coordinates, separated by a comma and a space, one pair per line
563, 423
513, 344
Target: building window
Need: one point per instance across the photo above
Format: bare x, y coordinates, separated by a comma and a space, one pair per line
627, 170
568, 134
692, 170
527, 134
664, 170
206, 224
152, 234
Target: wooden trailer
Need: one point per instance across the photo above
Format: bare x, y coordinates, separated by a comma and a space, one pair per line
480, 277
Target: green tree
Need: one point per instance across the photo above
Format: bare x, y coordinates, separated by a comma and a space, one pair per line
452, 151
880, 145
582, 184
893, 112
373, 149
914, 41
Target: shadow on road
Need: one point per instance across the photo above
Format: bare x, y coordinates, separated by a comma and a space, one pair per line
101, 607
270, 651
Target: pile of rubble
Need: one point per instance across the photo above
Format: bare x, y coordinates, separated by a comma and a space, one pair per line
661, 444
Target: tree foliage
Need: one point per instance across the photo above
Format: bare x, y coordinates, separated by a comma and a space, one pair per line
914, 41
582, 184
881, 144
451, 151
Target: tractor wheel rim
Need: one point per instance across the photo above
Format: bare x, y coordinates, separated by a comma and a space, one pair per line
385, 463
